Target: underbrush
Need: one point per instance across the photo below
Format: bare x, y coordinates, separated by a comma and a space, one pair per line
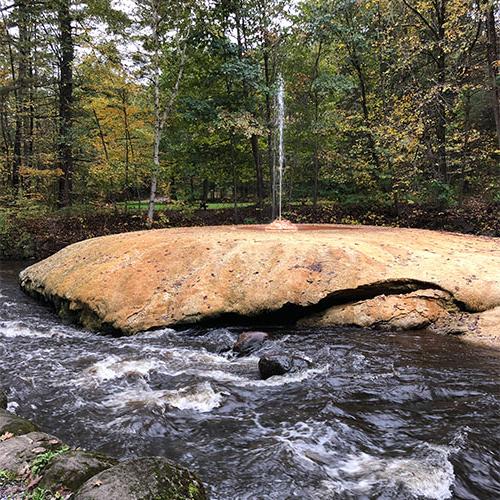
34, 233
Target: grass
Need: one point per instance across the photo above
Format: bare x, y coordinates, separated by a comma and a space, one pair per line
6, 476
143, 206
39, 494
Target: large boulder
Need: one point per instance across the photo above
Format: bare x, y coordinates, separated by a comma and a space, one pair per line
137, 281
143, 479
71, 469
12, 424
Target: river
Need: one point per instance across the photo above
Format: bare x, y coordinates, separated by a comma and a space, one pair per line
378, 415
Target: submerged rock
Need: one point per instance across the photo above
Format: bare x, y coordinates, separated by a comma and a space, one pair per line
17, 453
249, 342
15, 425
143, 479
3, 399
138, 281
280, 364
71, 469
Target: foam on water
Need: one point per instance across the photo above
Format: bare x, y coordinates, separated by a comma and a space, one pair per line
429, 476
112, 367
200, 397
15, 328
12, 329
426, 473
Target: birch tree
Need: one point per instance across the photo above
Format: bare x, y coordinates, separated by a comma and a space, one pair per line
165, 32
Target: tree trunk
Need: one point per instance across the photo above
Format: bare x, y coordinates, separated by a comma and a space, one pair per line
156, 149
364, 106
204, 194
22, 90
128, 146
316, 177
493, 68
235, 179
157, 118
101, 135
441, 119
161, 113
65, 104
269, 139
259, 180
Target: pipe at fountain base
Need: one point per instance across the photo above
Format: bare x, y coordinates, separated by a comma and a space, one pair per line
281, 225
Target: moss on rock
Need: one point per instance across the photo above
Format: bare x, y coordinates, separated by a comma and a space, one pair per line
15, 425
143, 479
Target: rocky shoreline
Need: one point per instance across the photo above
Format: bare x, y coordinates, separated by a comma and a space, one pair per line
37, 465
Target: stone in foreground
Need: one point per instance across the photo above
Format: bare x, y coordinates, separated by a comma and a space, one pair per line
143, 479
12, 424
249, 342
73, 468
17, 453
320, 274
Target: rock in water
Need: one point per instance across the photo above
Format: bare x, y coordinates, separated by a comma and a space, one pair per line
143, 479
168, 277
218, 341
249, 342
280, 364
3, 399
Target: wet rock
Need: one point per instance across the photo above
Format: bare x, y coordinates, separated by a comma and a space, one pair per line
249, 342
70, 470
218, 341
15, 425
280, 364
17, 453
143, 478
3, 399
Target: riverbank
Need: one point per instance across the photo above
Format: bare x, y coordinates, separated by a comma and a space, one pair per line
28, 234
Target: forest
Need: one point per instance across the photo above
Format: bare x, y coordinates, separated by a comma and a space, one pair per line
142, 106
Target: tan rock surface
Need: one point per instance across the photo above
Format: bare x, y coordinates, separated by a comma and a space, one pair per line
410, 311
136, 281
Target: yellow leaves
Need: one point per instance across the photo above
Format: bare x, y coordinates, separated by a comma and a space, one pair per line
242, 123
40, 173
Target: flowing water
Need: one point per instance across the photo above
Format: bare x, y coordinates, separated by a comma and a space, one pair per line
379, 415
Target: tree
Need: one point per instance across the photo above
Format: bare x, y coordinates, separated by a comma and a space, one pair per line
168, 25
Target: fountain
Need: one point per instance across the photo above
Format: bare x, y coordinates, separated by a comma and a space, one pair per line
279, 167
